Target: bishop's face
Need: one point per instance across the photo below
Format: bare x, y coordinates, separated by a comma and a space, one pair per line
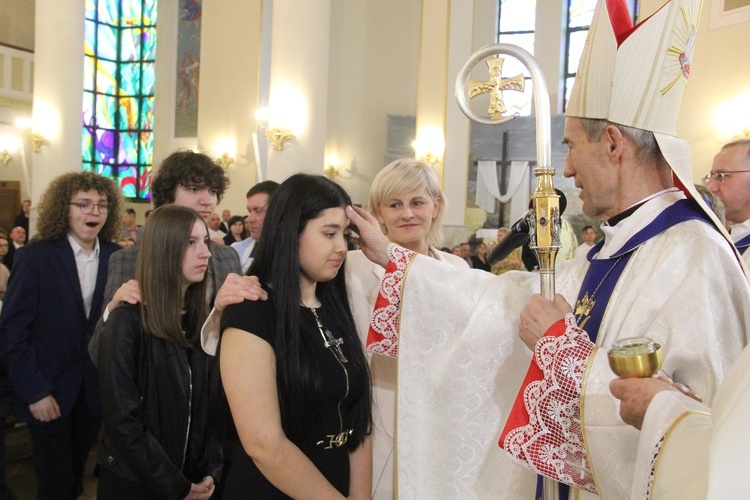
588, 164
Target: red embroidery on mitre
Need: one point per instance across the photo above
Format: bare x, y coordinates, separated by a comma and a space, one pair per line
382, 336
543, 431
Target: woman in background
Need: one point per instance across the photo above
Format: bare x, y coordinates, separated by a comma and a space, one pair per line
153, 373
293, 369
407, 200
236, 230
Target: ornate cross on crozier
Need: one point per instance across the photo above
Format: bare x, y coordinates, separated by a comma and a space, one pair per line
495, 86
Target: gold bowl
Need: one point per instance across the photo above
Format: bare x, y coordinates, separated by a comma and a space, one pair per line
635, 357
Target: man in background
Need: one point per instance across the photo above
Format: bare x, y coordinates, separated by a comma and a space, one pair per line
728, 181
588, 235
257, 203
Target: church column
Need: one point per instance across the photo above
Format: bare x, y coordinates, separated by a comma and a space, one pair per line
298, 97
230, 68
58, 94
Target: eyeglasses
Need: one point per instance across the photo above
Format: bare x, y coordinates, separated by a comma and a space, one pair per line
721, 176
87, 207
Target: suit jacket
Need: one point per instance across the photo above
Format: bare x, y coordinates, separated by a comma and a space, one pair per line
122, 264
44, 329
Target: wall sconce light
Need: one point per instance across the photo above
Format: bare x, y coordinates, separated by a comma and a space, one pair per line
225, 160
35, 137
731, 119
5, 157
429, 146
333, 167
275, 135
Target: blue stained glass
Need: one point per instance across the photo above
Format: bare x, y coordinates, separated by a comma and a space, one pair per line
89, 37
128, 115
131, 11
106, 42
105, 170
87, 140
129, 48
130, 79
118, 98
148, 44
105, 144
88, 73
88, 109
144, 182
89, 9
147, 114
109, 11
148, 78
105, 110
106, 77
147, 148
129, 147
149, 12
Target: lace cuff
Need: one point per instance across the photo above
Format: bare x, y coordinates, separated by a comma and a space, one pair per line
543, 432
382, 337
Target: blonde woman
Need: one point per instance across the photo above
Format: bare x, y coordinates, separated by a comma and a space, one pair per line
407, 200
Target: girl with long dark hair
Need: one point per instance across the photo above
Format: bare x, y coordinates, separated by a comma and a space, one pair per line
292, 367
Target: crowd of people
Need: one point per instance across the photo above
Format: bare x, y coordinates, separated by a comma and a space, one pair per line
313, 348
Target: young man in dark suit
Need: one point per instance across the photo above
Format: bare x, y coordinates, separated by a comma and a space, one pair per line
53, 301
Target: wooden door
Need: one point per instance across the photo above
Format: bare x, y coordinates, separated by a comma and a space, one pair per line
10, 203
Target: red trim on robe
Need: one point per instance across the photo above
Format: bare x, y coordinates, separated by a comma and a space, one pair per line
382, 336
543, 432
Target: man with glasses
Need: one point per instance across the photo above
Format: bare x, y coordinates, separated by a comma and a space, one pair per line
728, 181
53, 301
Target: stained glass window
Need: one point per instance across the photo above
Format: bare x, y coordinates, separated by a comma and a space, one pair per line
118, 93
580, 14
516, 23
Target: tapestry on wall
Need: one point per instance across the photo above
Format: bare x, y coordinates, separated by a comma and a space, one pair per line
188, 69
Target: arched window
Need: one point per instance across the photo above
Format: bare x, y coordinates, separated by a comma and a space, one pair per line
580, 14
118, 92
516, 22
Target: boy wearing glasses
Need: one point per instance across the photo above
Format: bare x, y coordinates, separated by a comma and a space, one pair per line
49, 312
728, 182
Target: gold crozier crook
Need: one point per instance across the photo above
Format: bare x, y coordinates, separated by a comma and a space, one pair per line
544, 219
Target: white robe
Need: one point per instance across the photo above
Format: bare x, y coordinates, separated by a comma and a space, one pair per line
461, 362
363, 282
698, 452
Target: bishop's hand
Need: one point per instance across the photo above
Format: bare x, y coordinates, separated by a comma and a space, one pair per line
370, 237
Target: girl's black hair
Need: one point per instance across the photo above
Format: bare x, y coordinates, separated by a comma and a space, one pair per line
299, 199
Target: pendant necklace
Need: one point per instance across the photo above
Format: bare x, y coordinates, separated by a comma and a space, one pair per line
329, 341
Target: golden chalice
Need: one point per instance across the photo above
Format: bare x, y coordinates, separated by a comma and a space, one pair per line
635, 357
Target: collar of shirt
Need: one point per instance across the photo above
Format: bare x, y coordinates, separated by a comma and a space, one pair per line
78, 249
612, 221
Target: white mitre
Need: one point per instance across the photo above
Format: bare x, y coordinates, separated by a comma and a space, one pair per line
636, 76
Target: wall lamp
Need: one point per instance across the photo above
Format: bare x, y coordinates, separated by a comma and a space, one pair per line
333, 167
275, 135
5, 157
429, 145
225, 160
35, 137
